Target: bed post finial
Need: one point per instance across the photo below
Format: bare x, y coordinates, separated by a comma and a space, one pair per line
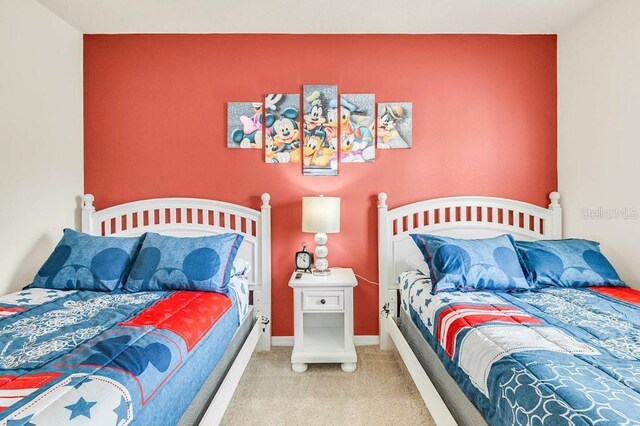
265, 200
87, 202
382, 199
555, 230
88, 209
555, 198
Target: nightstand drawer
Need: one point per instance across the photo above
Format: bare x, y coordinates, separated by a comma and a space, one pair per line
317, 300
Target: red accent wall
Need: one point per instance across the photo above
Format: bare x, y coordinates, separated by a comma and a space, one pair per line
484, 124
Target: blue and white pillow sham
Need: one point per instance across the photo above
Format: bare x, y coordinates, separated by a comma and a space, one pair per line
195, 263
567, 263
86, 262
469, 265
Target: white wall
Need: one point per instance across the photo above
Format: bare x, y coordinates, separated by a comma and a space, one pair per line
599, 130
41, 136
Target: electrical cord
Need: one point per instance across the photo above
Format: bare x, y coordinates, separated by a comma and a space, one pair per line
361, 277
364, 279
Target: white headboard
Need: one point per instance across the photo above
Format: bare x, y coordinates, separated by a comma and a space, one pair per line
461, 217
185, 217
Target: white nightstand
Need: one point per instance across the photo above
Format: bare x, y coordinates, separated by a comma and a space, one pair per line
323, 319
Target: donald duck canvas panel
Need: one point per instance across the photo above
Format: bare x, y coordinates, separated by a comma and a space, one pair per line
320, 133
357, 121
283, 136
244, 124
394, 124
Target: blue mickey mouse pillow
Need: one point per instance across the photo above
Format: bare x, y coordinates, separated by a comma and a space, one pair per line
190, 263
86, 262
567, 263
469, 265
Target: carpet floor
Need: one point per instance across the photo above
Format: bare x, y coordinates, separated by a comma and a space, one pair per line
379, 392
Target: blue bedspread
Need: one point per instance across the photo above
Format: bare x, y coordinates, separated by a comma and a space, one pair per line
81, 357
558, 356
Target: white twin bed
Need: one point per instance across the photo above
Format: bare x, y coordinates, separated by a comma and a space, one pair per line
564, 352
121, 356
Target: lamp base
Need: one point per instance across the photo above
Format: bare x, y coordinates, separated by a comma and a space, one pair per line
322, 264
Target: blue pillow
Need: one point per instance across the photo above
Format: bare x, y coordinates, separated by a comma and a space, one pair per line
196, 263
87, 262
567, 263
470, 265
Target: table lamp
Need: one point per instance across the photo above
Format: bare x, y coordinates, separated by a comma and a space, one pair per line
322, 216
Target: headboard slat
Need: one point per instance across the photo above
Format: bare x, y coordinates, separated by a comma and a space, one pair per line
474, 214
484, 214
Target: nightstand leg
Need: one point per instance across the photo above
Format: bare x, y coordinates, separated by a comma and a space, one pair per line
348, 367
299, 367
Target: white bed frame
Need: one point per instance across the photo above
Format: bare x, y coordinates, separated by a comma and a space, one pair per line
188, 217
462, 217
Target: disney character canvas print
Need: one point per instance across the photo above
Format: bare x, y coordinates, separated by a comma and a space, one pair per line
244, 124
320, 136
357, 121
282, 137
394, 124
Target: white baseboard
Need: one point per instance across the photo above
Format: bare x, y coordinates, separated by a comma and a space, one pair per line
281, 340
364, 340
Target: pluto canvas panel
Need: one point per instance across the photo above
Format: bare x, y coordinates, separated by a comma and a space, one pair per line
320, 138
394, 124
357, 121
282, 131
244, 125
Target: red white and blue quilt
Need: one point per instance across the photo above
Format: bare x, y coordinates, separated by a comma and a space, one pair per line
561, 356
96, 358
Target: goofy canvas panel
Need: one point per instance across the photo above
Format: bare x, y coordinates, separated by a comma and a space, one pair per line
282, 136
357, 121
320, 139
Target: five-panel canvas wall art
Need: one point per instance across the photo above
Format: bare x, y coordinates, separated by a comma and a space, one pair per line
330, 129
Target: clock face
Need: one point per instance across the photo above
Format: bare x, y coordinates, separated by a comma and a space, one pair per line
303, 260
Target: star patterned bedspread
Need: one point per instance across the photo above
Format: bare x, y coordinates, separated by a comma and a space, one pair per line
96, 358
558, 356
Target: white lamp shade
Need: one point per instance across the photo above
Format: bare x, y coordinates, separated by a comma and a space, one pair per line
321, 214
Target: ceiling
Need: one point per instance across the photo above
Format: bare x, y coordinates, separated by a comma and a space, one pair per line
320, 16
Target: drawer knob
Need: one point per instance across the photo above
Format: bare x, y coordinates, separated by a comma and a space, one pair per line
322, 301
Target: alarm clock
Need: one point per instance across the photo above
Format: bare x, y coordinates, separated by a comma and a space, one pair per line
304, 260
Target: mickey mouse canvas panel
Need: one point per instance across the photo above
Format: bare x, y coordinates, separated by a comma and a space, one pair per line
394, 124
282, 136
320, 138
357, 121
244, 125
